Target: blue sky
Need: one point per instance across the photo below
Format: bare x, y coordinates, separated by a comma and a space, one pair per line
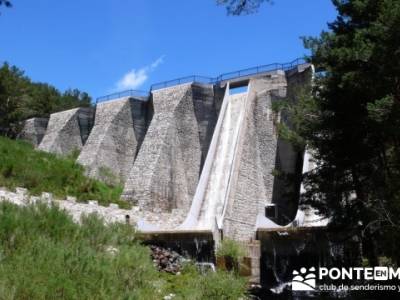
101, 46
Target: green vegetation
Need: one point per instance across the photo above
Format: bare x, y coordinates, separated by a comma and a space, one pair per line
231, 248
106, 175
45, 255
355, 129
21, 165
20, 99
213, 285
351, 122
230, 253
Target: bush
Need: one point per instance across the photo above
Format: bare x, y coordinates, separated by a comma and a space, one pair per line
230, 248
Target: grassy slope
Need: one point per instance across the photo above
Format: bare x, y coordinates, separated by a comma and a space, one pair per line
45, 255
21, 165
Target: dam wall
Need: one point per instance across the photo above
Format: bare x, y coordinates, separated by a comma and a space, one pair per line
33, 130
268, 169
240, 173
166, 171
111, 148
213, 191
207, 102
142, 114
252, 174
196, 152
67, 131
200, 162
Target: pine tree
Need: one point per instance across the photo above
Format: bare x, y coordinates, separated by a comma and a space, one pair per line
20, 99
353, 123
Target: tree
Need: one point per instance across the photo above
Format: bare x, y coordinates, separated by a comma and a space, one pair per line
13, 84
20, 99
353, 123
5, 3
241, 7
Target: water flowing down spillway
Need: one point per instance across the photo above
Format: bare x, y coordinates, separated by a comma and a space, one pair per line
211, 194
218, 183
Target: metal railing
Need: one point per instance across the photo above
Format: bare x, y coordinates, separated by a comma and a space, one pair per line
182, 80
260, 70
127, 93
208, 80
230, 75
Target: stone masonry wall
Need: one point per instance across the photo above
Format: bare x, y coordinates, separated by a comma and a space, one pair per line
63, 133
206, 107
167, 168
34, 130
85, 121
142, 113
252, 179
164, 172
110, 151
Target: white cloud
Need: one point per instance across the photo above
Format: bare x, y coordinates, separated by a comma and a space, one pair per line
157, 62
136, 77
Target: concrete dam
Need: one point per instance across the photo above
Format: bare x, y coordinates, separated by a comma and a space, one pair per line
201, 153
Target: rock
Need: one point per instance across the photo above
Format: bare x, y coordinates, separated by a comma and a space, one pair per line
135, 208
34, 199
112, 250
166, 260
71, 199
21, 191
46, 197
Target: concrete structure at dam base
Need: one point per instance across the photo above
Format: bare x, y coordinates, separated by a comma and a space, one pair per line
200, 160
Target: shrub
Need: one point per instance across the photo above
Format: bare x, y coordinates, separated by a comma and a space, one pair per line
230, 248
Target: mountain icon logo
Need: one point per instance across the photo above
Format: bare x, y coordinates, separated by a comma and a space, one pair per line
303, 280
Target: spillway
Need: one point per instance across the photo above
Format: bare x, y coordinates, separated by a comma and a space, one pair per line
211, 193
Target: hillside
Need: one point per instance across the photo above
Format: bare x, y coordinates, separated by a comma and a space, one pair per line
21, 165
